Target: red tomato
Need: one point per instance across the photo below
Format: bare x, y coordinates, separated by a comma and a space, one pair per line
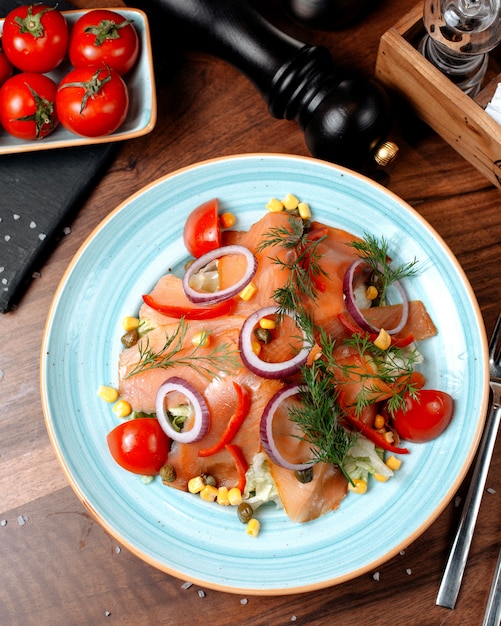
5, 67
92, 101
103, 36
425, 417
139, 445
202, 230
27, 106
35, 38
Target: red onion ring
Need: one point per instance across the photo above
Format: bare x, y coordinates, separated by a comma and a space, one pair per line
202, 415
357, 314
256, 365
266, 429
224, 294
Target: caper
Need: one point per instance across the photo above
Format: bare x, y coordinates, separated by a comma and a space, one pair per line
245, 512
305, 475
130, 338
167, 473
209, 480
263, 335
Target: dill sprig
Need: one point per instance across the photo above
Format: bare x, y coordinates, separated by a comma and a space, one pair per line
318, 414
387, 371
221, 358
374, 251
302, 262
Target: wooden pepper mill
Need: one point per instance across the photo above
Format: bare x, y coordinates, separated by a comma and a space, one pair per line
345, 119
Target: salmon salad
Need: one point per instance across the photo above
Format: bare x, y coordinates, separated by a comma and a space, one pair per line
283, 366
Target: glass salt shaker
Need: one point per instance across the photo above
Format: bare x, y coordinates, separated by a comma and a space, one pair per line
460, 34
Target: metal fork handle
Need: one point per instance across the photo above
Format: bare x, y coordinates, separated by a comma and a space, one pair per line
453, 574
492, 615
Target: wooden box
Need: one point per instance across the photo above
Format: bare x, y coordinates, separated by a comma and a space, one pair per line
456, 117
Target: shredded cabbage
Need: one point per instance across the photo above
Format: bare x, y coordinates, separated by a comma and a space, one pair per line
259, 485
363, 458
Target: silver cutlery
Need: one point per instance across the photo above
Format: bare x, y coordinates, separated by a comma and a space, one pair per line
453, 574
493, 610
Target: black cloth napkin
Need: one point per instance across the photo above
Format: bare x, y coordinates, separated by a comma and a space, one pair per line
40, 194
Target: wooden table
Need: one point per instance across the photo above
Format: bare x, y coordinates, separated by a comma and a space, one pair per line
57, 566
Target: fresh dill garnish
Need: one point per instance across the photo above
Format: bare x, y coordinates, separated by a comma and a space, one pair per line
220, 359
374, 251
383, 374
318, 413
301, 260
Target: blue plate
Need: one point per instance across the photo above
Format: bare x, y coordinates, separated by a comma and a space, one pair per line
202, 542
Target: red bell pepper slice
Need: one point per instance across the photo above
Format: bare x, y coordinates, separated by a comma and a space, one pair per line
236, 420
240, 462
195, 313
354, 329
372, 435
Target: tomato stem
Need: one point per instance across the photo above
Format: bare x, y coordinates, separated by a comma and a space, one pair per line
32, 24
92, 86
105, 30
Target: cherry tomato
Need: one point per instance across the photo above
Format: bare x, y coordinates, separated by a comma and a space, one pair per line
27, 106
92, 101
139, 445
5, 67
202, 230
35, 38
103, 36
425, 417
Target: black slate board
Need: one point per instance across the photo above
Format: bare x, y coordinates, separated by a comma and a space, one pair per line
40, 194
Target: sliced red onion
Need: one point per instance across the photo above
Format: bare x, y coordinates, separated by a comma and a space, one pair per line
266, 429
224, 294
251, 360
201, 412
357, 314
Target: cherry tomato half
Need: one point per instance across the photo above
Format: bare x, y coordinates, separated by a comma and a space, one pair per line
27, 106
35, 38
202, 230
139, 445
92, 101
103, 36
425, 417
5, 66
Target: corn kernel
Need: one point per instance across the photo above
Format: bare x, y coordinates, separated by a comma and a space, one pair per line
371, 293
275, 206
383, 340
359, 486
208, 493
122, 408
222, 496
227, 220
290, 202
248, 292
130, 323
108, 394
256, 348
380, 477
393, 463
266, 322
379, 422
388, 436
253, 527
304, 211
235, 496
196, 484
201, 339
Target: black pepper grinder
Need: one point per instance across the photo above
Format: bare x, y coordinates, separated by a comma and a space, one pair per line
345, 119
